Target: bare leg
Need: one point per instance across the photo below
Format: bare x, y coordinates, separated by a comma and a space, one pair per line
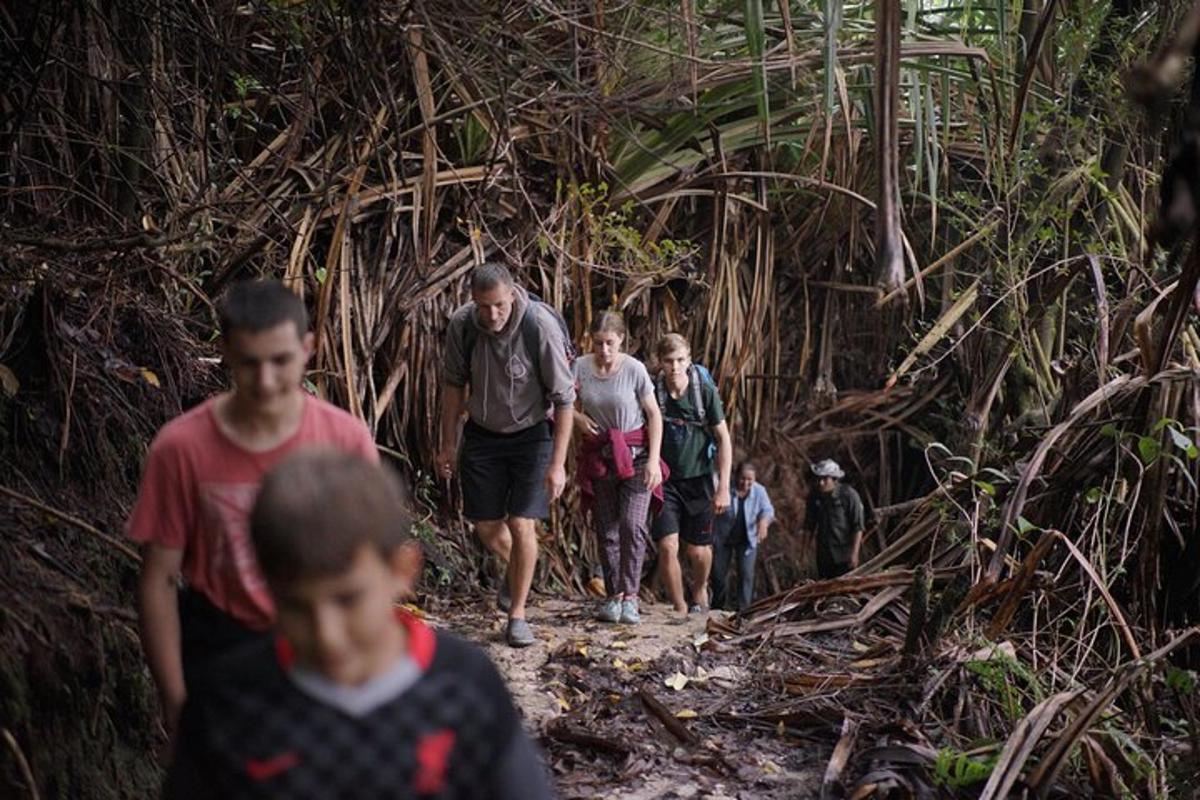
700, 560
522, 564
496, 538
669, 573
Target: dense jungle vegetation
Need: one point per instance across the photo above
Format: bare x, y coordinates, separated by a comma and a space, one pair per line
948, 242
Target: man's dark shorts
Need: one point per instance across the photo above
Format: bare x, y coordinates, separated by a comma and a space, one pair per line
503, 474
687, 510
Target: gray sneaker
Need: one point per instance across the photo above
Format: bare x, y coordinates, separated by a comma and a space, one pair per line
519, 634
629, 612
610, 611
503, 598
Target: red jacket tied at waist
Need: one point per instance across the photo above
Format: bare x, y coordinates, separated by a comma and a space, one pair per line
593, 463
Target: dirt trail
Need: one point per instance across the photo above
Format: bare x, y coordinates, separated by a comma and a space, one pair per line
585, 675
560, 622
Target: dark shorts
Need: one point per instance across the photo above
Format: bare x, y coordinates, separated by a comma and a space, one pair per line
503, 474
206, 633
687, 510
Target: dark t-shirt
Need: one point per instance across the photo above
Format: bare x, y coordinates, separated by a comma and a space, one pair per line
835, 517
739, 533
685, 442
448, 730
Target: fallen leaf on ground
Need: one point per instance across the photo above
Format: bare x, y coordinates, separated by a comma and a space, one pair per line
677, 681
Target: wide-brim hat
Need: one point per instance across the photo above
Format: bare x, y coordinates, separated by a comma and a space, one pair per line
828, 468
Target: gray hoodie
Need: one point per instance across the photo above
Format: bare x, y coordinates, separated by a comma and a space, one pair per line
506, 395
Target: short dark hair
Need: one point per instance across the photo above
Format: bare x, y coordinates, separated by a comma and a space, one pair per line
489, 275
317, 509
259, 305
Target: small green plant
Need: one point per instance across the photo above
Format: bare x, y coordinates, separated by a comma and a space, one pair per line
619, 240
1150, 448
1181, 680
956, 770
1007, 680
428, 536
243, 85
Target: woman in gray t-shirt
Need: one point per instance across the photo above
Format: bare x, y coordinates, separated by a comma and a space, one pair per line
618, 462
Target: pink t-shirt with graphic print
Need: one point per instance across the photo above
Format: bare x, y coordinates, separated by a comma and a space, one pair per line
198, 489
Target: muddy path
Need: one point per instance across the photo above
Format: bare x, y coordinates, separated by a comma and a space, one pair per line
586, 689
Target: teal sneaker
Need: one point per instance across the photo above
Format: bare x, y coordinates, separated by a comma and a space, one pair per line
610, 611
629, 612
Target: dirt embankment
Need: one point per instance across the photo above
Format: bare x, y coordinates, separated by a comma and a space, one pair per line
89, 373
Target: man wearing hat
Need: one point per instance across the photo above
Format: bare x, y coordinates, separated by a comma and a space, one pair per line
835, 517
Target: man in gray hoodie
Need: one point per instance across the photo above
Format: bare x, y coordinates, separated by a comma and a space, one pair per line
510, 350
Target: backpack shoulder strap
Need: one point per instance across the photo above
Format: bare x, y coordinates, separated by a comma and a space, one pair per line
469, 336
532, 337
697, 390
660, 391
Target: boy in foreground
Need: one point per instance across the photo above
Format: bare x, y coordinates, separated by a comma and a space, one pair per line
353, 698
201, 475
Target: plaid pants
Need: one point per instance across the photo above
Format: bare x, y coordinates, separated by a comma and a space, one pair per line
620, 516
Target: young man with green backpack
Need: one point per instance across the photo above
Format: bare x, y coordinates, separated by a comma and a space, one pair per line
694, 430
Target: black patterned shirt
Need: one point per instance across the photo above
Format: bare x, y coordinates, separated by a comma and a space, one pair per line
439, 724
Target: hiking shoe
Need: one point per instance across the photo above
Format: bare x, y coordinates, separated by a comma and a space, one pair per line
696, 608
519, 634
610, 611
503, 598
629, 612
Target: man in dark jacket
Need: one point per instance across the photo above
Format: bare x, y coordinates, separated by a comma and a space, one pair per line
835, 517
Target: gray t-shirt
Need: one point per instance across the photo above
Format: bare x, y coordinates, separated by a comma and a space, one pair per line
614, 401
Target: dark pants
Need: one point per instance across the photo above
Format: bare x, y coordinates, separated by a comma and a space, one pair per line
728, 552
206, 633
828, 568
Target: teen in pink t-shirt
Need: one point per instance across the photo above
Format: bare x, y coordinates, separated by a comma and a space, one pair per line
198, 489
200, 481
